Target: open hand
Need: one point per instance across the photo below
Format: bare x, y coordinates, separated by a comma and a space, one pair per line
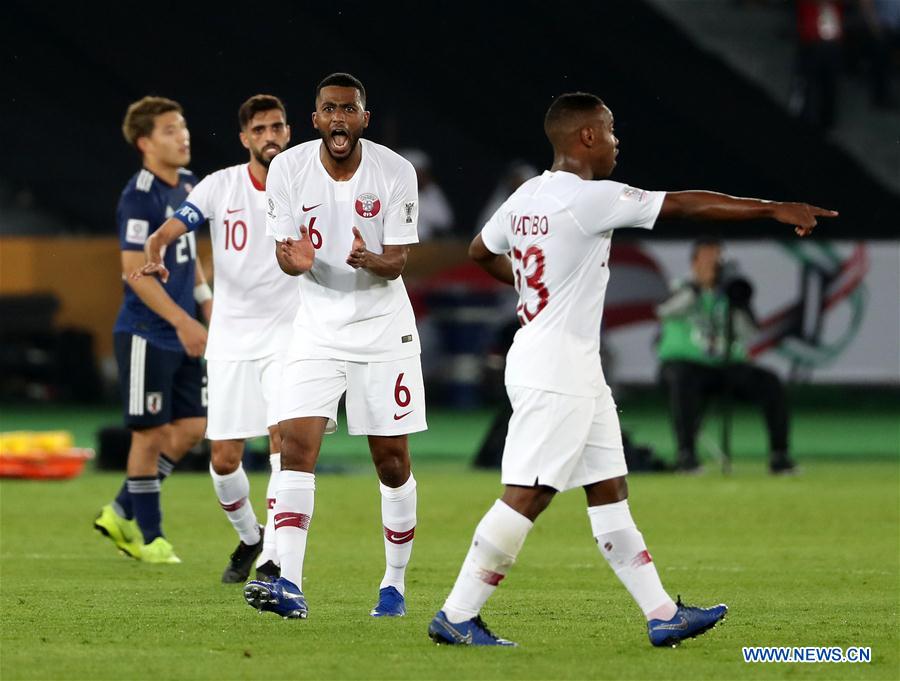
149, 268
192, 335
802, 216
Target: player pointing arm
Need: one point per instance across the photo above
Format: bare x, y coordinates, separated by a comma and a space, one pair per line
551, 239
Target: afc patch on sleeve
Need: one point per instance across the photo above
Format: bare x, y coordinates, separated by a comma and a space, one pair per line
632, 194
409, 212
188, 212
137, 231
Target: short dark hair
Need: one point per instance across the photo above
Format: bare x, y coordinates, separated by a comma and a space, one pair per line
567, 104
343, 80
140, 118
257, 104
704, 242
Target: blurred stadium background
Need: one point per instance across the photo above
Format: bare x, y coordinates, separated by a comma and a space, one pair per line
717, 96
790, 100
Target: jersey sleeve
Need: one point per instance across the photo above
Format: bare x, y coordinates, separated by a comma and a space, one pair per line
137, 218
402, 215
495, 237
605, 205
197, 208
279, 216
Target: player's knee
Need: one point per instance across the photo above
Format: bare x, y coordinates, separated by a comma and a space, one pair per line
392, 472
391, 459
607, 491
226, 456
183, 435
148, 440
274, 440
528, 501
297, 453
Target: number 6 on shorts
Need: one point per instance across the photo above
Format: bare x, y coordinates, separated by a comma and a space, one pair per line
401, 393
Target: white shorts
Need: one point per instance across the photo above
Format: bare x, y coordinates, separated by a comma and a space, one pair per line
242, 397
561, 441
383, 398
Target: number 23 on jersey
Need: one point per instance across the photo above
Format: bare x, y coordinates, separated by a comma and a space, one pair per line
529, 268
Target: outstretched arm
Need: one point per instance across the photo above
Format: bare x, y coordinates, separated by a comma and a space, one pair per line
498, 266
702, 205
191, 333
155, 246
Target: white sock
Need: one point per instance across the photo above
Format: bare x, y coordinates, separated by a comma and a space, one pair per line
623, 546
233, 491
497, 541
268, 551
294, 497
398, 515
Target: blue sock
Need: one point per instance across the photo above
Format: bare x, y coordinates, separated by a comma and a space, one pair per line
145, 501
122, 503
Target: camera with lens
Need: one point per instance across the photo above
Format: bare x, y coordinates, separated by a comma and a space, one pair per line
734, 285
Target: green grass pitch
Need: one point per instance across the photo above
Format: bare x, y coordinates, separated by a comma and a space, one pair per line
811, 560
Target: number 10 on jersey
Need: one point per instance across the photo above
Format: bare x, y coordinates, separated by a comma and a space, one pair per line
235, 234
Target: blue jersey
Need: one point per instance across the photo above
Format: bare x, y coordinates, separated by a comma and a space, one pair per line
146, 203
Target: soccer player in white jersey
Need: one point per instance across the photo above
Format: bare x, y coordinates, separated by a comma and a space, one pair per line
344, 211
551, 240
254, 306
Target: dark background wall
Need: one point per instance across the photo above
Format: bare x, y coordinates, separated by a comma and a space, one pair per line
466, 82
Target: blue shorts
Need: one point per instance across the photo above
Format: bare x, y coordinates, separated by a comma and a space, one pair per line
158, 386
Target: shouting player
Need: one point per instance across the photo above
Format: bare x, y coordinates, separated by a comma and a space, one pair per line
251, 324
551, 240
158, 341
344, 210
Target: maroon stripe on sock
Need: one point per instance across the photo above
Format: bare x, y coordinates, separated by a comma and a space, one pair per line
298, 520
399, 537
642, 558
489, 577
270, 503
228, 508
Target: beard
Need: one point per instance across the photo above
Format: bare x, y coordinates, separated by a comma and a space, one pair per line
259, 154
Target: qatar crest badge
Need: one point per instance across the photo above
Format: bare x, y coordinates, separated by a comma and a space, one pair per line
368, 205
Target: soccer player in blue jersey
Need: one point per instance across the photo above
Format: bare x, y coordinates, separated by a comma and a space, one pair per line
158, 340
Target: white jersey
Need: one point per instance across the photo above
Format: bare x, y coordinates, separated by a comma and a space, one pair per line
254, 301
346, 313
557, 230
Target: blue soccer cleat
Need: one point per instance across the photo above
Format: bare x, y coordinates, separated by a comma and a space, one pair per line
390, 603
281, 597
688, 622
473, 632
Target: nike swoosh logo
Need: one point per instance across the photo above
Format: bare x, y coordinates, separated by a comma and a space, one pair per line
233, 210
455, 633
397, 418
306, 210
683, 624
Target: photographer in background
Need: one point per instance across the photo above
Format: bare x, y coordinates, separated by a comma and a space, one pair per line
699, 362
